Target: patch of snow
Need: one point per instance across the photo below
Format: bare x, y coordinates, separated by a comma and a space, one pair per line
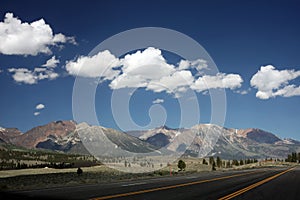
158, 151
177, 133
134, 144
2, 129
285, 141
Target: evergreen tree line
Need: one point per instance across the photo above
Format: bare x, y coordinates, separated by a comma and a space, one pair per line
294, 157
18, 165
218, 162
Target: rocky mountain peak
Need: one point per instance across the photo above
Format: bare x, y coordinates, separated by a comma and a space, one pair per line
225, 142
164, 127
38, 134
259, 135
9, 134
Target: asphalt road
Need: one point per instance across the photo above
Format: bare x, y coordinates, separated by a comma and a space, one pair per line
269, 183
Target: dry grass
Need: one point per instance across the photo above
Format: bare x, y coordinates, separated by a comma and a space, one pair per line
47, 177
20, 172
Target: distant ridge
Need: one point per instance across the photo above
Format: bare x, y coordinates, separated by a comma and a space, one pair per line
230, 143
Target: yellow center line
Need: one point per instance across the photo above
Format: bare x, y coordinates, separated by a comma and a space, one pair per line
241, 191
171, 186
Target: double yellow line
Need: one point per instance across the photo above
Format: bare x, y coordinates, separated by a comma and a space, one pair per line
170, 187
239, 192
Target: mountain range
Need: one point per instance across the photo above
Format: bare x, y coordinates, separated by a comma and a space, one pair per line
198, 141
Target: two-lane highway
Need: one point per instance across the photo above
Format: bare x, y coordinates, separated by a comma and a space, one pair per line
246, 184
286, 186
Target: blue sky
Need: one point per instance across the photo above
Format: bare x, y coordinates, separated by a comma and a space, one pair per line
240, 36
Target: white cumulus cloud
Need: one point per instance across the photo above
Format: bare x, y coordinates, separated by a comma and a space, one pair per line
52, 62
100, 65
127, 81
23, 38
271, 82
39, 106
148, 64
288, 91
243, 92
23, 75
142, 67
221, 80
198, 64
36, 113
149, 69
157, 101
174, 83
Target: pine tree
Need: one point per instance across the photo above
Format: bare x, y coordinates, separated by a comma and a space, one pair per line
294, 157
214, 166
235, 162
219, 162
241, 162
228, 164
289, 158
211, 160
223, 163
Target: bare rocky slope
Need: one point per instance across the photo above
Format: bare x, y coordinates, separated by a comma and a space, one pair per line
213, 140
198, 141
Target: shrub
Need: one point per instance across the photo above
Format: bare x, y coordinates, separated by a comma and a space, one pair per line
79, 171
181, 165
